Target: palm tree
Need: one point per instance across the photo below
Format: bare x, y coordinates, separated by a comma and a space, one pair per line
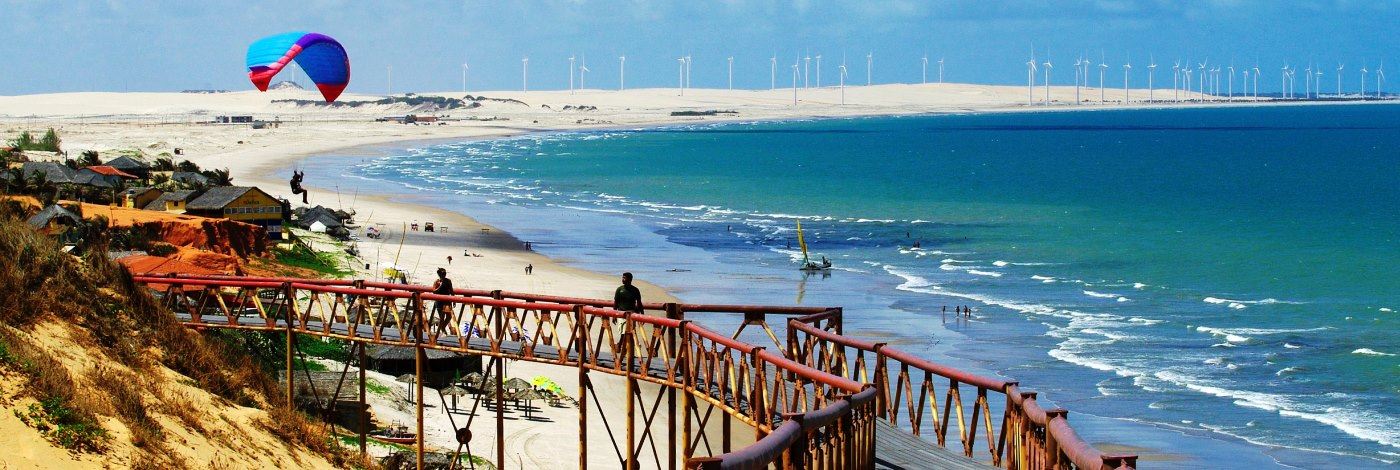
219, 177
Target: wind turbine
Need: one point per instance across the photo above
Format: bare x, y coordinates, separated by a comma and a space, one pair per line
1078, 74
1231, 96
1103, 68
582, 69
525, 74
571, 75
622, 72
1246, 82
1317, 84
1363, 81
1030, 79
1048, 66
391, 81
842, 76
687, 70
1307, 82
1285, 81
680, 74
806, 69
869, 62
1380, 79
1176, 77
731, 72
819, 70
1339, 78
1186, 80
1127, 68
940, 70
1151, 70
794, 83
1201, 86
464, 78
925, 71
1256, 81
773, 77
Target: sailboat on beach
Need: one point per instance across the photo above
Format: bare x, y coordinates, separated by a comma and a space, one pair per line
807, 264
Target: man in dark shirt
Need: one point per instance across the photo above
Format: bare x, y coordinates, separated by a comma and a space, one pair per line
443, 310
627, 298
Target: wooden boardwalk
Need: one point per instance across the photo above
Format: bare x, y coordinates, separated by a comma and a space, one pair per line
894, 448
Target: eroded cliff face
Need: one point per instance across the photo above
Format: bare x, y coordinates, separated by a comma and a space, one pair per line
218, 244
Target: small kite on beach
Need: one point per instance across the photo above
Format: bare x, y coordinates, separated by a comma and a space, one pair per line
321, 56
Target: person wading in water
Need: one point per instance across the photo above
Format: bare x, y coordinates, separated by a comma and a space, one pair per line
627, 298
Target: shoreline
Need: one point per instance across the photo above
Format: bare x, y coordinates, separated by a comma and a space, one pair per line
1222, 439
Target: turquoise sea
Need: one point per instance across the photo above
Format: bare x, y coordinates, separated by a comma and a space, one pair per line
1211, 283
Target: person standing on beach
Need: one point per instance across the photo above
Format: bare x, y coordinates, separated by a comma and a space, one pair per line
529, 269
627, 298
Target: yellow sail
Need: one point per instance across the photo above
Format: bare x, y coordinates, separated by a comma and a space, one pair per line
802, 243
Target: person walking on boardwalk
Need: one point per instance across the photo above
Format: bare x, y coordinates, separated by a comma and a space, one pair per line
442, 310
627, 298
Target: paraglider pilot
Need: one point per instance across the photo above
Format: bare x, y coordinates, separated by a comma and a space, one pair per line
297, 176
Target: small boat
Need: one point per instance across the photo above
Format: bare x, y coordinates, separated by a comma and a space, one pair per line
397, 434
807, 264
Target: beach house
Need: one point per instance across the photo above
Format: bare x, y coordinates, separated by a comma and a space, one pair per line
170, 201
101, 176
137, 198
130, 166
240, 203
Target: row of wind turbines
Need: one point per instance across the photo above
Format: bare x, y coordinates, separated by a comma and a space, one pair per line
580, 65
1207, 78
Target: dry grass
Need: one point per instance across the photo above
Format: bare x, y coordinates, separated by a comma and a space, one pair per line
123, 330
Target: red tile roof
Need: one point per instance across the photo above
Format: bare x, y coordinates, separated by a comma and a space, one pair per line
109, 171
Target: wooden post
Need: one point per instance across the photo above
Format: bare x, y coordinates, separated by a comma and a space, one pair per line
290, 309
364, 409
418, 373
581, 344
686, 383
627, 354
673, 312
500, 392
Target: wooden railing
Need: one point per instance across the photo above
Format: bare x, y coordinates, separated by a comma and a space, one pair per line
814, 405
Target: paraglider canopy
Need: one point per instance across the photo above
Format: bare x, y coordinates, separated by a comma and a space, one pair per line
321, 56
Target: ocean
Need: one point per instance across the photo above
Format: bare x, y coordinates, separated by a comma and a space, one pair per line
1218, 284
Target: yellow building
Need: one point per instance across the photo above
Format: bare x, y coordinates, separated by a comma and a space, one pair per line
139, 198
241, 203
170, 201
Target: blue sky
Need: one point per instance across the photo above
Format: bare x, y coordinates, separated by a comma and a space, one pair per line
172, 45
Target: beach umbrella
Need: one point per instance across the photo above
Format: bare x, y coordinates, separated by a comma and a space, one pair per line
516, 383
526, 395
454, 392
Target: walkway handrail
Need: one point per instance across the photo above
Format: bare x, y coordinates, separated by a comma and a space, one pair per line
819, 373
744, 381
1030, 437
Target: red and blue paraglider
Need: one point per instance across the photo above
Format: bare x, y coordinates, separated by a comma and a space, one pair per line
321, 56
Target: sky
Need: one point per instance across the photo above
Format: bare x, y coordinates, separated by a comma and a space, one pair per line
119, 45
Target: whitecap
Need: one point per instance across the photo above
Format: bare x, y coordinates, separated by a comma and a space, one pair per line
1386, 309
1139, 285
983, 273
1291, 346
1370, 352
1044, 279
